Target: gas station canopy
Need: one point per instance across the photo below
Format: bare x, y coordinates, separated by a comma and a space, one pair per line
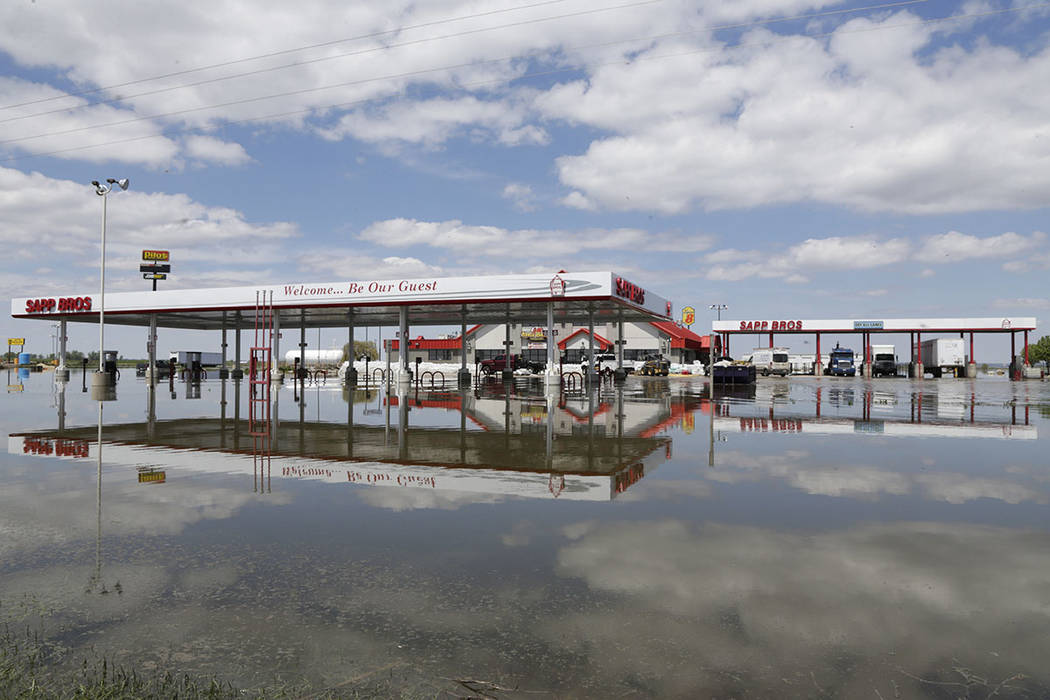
430, 301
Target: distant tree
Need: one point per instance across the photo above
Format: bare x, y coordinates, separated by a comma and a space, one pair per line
362, 347
1040, 352
984, 368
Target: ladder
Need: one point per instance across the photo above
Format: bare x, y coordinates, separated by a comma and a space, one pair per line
259, 382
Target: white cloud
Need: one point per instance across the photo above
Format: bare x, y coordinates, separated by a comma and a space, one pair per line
435, 121
473, 240
521, 195
216, 151
860, 252
1034, 303
577, 200
872, 120
954, 246
61, 218
345, 264
865, 252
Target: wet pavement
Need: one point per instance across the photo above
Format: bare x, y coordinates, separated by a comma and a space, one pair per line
805, 537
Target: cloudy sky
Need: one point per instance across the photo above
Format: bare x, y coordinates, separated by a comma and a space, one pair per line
791, 158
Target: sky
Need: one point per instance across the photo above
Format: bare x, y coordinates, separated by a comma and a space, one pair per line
790, 159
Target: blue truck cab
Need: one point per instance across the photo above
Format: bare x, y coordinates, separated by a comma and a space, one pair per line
840, 363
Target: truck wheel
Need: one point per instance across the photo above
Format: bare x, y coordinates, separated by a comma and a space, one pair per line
486, 370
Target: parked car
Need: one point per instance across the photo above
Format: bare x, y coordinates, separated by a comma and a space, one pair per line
499, 363
655, 367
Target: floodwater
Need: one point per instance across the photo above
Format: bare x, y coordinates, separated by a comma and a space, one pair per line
807, 537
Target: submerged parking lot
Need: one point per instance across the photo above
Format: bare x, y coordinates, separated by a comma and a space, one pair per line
803, 537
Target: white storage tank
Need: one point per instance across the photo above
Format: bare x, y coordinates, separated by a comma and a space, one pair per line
333, 356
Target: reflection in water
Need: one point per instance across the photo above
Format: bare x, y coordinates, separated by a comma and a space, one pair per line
584, 447
840, 545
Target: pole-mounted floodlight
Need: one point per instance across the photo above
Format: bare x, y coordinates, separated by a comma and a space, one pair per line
102, 191
719, 308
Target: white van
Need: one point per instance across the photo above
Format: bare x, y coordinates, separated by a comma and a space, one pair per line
769, 361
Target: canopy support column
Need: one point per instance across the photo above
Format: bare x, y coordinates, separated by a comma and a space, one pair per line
237, 372
971, 365
223, 372
818, 366
351, 355
404, 374
464, 373
62, 373
276, 374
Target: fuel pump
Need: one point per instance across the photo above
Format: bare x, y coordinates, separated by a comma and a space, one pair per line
109, 364
193, 367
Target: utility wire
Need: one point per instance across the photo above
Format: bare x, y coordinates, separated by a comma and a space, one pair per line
282, 52
410, 74
497, 81
741, 25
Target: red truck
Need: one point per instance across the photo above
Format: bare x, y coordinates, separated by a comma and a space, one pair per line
499, 363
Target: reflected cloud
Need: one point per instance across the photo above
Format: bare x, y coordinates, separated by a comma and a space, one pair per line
801, 471
910, 595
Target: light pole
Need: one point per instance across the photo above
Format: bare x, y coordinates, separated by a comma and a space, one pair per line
719, 308
103, 191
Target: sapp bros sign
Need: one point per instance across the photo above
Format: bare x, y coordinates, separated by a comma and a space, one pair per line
630, 291
762, 326
63, 304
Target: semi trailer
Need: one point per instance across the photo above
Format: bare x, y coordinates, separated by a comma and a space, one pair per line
941, 356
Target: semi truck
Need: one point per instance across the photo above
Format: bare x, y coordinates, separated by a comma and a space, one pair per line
769, 361
883, 361
941, 356
840, 363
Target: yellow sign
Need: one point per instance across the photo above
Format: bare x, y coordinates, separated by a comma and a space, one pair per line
161, 255
152, 476
688, 316
16, 341
534, 334
15, 388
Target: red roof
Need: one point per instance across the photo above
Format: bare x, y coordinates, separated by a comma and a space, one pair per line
422, 343
602, 342
682, 337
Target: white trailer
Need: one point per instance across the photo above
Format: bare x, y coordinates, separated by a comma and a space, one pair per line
207, 359
942, 356
333, 356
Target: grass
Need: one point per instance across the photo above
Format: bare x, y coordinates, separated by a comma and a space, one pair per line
33, 668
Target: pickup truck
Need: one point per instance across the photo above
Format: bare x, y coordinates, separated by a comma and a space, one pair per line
499, 363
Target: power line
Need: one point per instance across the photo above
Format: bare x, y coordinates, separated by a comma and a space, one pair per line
282, 52
322, 59
497, 81
410, 74
740, 25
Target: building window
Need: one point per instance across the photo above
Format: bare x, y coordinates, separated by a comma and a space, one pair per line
480, 355
438, 355
535, 355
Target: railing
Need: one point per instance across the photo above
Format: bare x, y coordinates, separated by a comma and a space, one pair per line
571, 380
433, 377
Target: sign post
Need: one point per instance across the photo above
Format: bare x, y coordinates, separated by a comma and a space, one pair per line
155, 271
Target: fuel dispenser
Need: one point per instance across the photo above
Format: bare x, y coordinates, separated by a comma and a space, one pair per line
193, 367
109, 365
